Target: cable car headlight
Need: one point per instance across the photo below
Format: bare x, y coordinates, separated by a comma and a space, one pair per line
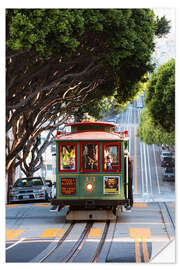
89, 187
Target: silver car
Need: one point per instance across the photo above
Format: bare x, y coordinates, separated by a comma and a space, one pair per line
169, 174
29, 189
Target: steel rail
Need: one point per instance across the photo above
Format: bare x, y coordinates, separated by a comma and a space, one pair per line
79, 244
101, 243
164, 219
59, 242
169, 215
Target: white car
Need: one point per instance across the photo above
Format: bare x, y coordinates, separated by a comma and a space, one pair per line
165, 154
29, 189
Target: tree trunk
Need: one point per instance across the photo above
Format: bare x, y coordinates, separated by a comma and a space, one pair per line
11, 179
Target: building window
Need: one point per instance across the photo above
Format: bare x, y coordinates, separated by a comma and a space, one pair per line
49, 167
111, 157
89, 157
68, 157
53, 148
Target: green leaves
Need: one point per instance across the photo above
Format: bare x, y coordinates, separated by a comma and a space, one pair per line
118, 41
152, 133
162, 26
161, 96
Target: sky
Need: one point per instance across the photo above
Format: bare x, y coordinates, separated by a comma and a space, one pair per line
166, 46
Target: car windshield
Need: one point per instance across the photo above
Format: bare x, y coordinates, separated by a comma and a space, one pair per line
167, 154
167, 159
24, 182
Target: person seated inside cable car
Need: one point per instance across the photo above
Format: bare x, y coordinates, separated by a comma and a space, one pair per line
92, 163
71, 164
108, 163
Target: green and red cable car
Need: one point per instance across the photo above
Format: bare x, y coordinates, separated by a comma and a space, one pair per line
93, 171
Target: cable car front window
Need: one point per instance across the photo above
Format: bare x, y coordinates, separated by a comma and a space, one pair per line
67, 157
90, 158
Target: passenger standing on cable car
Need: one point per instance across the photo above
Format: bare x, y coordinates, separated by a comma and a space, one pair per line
108, 163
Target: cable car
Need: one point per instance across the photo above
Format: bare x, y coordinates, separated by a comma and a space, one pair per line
93, 171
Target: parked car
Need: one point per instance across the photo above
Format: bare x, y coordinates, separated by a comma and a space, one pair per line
29, 189
113, 120
169, 174
165, 154
168, 162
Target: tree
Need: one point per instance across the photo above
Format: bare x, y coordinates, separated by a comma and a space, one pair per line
160, 99
151, 133
35, 161
162, 26
59, 60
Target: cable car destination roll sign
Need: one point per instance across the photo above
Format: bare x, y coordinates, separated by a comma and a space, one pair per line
68, 186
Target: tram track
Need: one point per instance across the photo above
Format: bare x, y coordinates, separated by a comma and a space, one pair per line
78, 246
101, 243
170, 217
63, 238
167, 220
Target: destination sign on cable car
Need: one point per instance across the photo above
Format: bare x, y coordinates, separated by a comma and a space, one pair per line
68, 186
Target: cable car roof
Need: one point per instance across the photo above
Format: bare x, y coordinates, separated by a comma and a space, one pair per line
87, 123
85, 136
97, 131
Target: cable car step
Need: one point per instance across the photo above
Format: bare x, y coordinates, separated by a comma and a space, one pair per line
90, 215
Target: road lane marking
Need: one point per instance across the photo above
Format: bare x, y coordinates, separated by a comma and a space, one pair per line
49, 233
12, 205
140, 205
135, 157
145, 163
18, 242
137, 250
13, 234
42, 205
145, 250
95, 232
60, 233
148, 159
142, 169
140, 234
157, 178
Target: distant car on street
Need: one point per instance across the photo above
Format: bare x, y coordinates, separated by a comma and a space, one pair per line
168, 162
30, 189
169, 174
112, 120
165, 154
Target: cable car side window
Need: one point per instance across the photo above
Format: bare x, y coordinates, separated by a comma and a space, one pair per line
89, 157
111, 157
68, 157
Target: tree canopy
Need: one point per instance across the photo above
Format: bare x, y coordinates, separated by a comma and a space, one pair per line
59, 60
160, 98
151, 133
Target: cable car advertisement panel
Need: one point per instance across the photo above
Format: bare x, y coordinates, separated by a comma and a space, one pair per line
111, 184
67, 157
68, 186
